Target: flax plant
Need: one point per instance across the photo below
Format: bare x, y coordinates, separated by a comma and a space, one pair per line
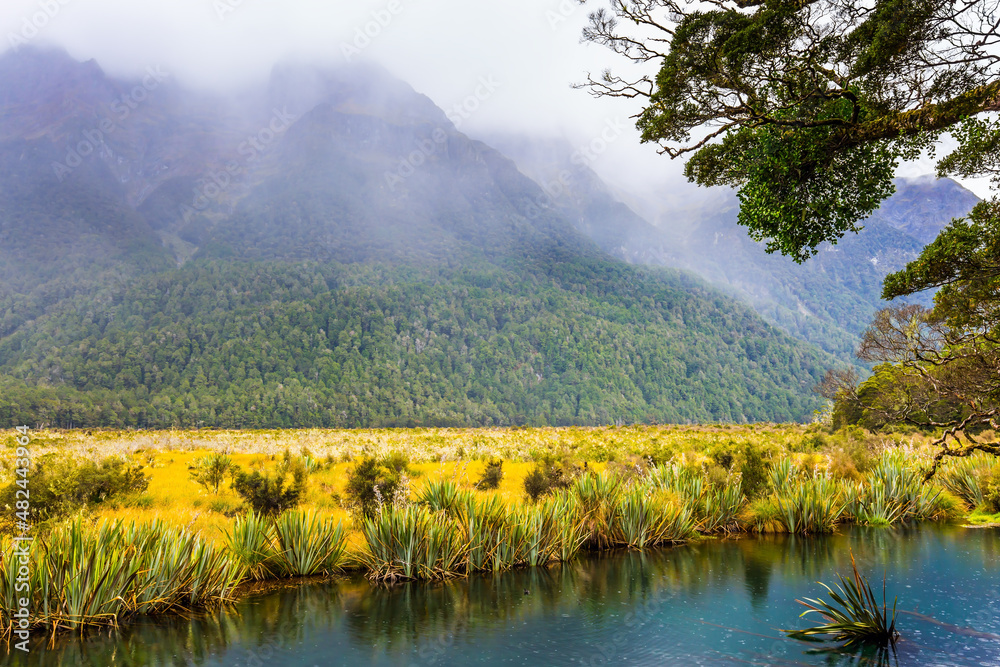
84, 576
307, 545
812, 506
250, 542
965, 477
411, 543
853, 617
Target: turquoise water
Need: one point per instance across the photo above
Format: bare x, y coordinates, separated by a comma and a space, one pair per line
720, 602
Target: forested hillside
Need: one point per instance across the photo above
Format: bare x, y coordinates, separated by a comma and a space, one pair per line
325, 282
238, 344
828, 300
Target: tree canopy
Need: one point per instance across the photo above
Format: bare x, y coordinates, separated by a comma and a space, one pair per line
938, 368
807, 106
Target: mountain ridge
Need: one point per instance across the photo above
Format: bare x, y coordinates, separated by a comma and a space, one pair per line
827, 301
310, 289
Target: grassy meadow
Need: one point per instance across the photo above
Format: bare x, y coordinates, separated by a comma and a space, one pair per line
171, 543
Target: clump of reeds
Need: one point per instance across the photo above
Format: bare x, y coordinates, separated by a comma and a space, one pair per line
966, 477
813, 505
451, 532
647, 519
83, 576
293, 544
853, 617
442, 496
636, 516
715, 508
894, 491
412, 542
306, 544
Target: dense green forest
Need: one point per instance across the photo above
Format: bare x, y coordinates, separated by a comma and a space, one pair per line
307, 289
237, 344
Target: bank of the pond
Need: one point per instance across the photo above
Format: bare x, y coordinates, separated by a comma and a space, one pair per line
109, 573
133, 524
714, 601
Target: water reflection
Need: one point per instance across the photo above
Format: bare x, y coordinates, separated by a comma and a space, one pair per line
717, 602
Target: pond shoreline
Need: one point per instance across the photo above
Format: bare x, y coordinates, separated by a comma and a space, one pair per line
718, 600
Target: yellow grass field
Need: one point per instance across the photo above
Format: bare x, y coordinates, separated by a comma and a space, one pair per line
459, 455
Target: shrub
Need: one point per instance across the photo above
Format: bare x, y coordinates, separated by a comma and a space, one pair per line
374, 482
550, 474
224, 506
633, 469
271, 494
723, 455
753, 472
536, 484
211, 470
991, 494
491, 475
842, 465
61, 485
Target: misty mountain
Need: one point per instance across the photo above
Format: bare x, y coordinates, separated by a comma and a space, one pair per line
329, 249
827, 301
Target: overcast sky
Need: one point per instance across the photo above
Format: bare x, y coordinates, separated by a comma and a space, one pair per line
531, 48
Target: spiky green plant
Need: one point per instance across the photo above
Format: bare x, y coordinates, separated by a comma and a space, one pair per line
482, 524
98, 576
895, 491
307, 544
646, 519
598, 498
442, 496
541, 532
250, 542
719, 507
965, 477
783, 476
572, 526
853, 617
812, 506
715, 508
411, 543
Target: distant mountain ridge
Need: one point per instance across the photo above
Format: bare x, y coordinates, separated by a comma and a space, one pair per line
281, 258
827, 301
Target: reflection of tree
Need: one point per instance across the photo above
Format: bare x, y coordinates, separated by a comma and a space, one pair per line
757, 578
